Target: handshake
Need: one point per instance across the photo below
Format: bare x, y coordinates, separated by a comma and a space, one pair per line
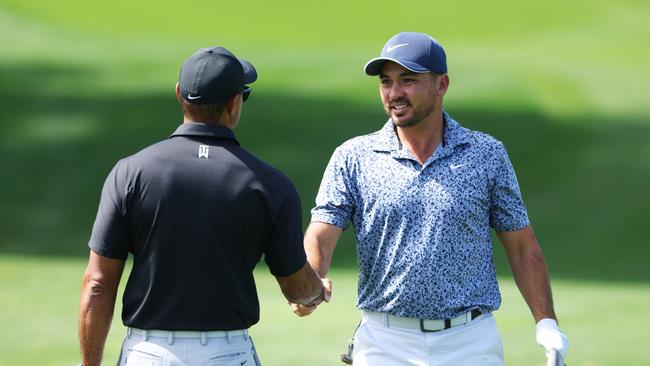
308, 307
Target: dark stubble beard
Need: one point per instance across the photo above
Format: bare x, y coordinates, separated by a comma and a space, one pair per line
419, 114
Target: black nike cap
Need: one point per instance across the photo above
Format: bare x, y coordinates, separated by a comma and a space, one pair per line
214, 74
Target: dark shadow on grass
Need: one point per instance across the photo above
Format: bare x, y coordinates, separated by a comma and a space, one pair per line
585, 179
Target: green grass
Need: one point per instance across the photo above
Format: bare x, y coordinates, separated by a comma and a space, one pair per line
563, 84
605, 322
555, 56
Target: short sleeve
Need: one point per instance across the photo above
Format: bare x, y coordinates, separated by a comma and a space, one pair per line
507, 209
285, 252
335, 201
109, 237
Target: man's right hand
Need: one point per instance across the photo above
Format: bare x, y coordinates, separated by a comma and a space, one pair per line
304, 310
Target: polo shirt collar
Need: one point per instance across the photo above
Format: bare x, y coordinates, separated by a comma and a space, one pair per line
205, 130
454, 135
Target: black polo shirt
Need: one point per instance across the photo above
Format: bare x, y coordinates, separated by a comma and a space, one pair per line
197, 212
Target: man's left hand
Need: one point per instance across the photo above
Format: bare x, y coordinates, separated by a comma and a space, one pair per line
549, 336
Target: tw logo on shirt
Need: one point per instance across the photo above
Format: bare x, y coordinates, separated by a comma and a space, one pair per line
204, 151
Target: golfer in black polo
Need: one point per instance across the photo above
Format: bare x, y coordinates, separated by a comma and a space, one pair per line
197, 212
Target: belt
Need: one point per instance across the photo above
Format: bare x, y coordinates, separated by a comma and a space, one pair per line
187, 333
424, 325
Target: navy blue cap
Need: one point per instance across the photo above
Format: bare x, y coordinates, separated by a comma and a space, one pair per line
214, 74
417, 52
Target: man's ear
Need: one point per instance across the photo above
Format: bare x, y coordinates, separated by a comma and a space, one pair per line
178, 93
233, 104
443, 84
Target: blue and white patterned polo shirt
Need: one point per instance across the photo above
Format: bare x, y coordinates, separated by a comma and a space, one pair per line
423, 231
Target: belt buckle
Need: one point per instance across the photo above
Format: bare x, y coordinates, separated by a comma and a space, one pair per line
425, 330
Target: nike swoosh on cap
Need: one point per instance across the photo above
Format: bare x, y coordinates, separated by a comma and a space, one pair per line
189, 96
391, 48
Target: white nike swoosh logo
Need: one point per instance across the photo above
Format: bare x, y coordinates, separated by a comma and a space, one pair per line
391, 48
456, 166
189, 96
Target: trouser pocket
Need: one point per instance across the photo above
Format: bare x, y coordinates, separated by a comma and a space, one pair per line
136, 357
232, 358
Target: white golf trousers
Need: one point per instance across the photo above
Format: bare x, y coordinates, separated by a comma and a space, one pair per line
160, 347
476, 343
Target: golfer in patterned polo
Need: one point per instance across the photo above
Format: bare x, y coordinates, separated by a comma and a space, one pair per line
422, 194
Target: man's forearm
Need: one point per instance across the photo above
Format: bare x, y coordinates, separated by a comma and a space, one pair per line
529, 270
318, 260
95, 316
302, 287
531, 276
320, 241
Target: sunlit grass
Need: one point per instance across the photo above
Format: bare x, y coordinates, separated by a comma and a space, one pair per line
563, 58
605, 322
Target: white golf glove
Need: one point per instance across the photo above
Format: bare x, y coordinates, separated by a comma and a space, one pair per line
550, 337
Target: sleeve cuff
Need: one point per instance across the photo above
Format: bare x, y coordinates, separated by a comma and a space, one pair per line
330, 219
107, 253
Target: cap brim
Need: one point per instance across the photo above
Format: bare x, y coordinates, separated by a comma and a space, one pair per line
373, 67
250, 74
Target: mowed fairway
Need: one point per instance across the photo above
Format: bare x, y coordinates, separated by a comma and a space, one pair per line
563, 84
39, 299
